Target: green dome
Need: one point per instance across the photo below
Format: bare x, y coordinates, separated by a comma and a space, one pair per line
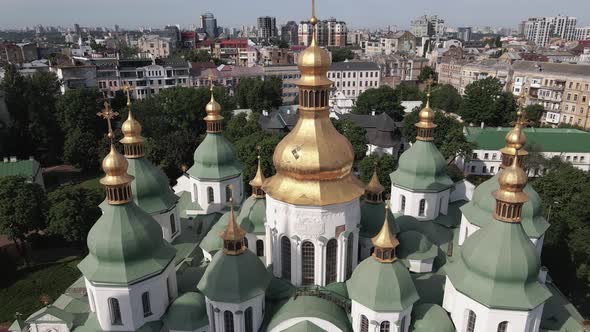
429, 317
480, 209
498, 267
125, 244
151, 190
215, 159
372, 217
252, 216
212, 242
187, 313
234, 278
414, 245
306, 307
422, 168
382, 286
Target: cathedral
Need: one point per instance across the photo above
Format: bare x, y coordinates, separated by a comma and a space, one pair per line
312, 248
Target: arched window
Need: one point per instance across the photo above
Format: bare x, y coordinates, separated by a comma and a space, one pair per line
210, 196
145, 302
422, 207
259, 248
228, 321
248, 320
115, 311
364, 324
331, 249
503, 327
471, 321
385, 327
402, 208
307, 263
349, 253
172, 224
286, 258
228, 193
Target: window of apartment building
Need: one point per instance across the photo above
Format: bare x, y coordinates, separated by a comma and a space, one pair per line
492, 169
474, 156
573, 109
579, 122
583, 99
486, 156
575, 97
567, 108
586, 87
546, 80
337, 75
577, 86
361, 74
582, 159
353, 75
360, 83
493, 156
472, 169
571, 84
575, 159
484, 169
569, 96
581, 110
568, 158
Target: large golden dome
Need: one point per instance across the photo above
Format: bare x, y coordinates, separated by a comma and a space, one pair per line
131, 129
515, 139
115, 168
314, 161
512, 181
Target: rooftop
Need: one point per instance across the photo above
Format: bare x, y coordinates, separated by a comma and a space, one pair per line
353, 65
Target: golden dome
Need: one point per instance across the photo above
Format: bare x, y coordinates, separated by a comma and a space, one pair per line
233, 235
425, 126
258, 179
213, 109
314, 62
385, 242
515, 139
374, 186
131, 129
512, 181
115, 168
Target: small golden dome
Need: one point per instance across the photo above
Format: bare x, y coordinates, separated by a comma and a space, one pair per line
385, 242
515, 139
374, 186
258, 179
213, 110
512, 181
426, 116
131, 129
233, 235
115, 168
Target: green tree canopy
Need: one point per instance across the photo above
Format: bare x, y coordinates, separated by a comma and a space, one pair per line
534, 114
73, 210
386, 164
241, 125
426, 73
258, 94
247, 151
356, 134
485, 101
23, 209
407, 91
381, 100
446, 98
341, 54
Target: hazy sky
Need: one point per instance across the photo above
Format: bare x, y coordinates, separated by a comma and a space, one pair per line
357, 13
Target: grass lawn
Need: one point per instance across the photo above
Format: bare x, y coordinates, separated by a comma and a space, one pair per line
23, 295
91, 184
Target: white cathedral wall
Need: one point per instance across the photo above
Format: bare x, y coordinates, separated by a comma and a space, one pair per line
163, 218
215, 312
398, 321
161, 288
199, 193
323, 324
487, 320
49, 327
436, 203
315, 224
421, 265
252, 239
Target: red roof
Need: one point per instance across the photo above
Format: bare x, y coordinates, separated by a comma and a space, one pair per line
202, 65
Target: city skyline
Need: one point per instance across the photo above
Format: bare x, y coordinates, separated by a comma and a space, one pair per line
153, 13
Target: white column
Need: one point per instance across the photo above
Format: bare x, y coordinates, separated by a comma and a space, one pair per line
342, 258
355, 248
269, 237
320, 259
239, 321
296, 277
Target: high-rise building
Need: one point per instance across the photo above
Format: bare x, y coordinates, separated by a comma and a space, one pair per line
540, 29
289, 33
464, 33
582, 33
267, 27
209, 25
427, 26
331, 33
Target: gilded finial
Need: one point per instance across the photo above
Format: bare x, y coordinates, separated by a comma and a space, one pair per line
127, 89
258, 181
425, 126
515, 140
510, 197
132, 140
233, 235
108, 114
374, 190
385, 242
213, 109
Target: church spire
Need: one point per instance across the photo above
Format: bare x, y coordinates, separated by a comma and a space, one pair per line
425, 126
116, 180
510, 197
258, 181
132, 141
374, 190
233, 235
213, 109
515, 139
385, 242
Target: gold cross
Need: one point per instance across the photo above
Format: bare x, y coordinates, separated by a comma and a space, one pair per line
429, 83
126, 88
210, 78
108, 114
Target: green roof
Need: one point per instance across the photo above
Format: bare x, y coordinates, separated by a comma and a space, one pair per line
212, 242
187, 313
91, 325
215, 159
234, 278
252, 216
185, 202
382, 286
498, 267
422, 168
415, 246
305, 326
559, 314
303, 306
186, 244
372, 217
25, 168
17, 326
151, 190
479, 211
429, 317
56, 312
188, 279
549, 139
125, 245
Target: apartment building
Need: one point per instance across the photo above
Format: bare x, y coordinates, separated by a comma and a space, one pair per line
267, 27
562, 89
352, 78
397, 68
157, 46
330, 33
75, 76
582, 33
290, 74
427, 26
540, 29
393, 42
479, 70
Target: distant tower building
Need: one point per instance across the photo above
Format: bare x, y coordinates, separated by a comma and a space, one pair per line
540, 29
289, 33
427, 26
116, 28
267, 27
209, 25
331, 33
77, 29
464, 33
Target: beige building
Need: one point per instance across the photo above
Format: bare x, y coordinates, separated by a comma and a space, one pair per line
460, 74
393, 42
331, 33
155, 45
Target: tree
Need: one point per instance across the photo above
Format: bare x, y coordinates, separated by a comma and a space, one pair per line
341, 54
241, 125
446, 98
258, 94
533, 113
171, 151
407, 91
381, 100
23, 209
426, 73
247, 150
73, 210
355, 134
81, 150
448, 135
386, 164
485, 101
